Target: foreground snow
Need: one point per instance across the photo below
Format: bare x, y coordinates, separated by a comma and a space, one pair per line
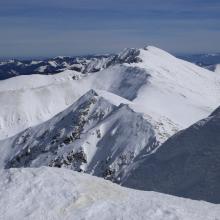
51, 193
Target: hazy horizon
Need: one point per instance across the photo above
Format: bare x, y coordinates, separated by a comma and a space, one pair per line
51, 28
90, 54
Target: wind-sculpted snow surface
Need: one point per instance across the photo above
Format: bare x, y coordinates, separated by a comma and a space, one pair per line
51, 193
92, 136
186, 165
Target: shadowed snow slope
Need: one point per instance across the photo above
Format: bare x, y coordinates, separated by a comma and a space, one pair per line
186, 165
51, 193
172, 93
92, 136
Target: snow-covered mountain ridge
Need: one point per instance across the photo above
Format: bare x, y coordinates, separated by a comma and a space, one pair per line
167, 90
90, 136
50, 193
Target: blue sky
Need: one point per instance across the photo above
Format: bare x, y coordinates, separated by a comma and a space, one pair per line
31, 28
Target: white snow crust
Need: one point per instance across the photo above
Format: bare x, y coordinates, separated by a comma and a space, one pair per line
50, 193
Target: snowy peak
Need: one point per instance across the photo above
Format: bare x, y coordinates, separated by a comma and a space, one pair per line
64, 128
88, 96
129, 55
157, 51
92, 135
176, 86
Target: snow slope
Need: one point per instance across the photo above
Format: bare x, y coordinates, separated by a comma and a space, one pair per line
37, 81
186, 165
30, 100
181, 91
51, 193
172, 93
217, 69
92, 136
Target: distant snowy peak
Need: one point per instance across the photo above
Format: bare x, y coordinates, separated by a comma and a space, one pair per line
129, 55
156, 50
96, 64
92, 135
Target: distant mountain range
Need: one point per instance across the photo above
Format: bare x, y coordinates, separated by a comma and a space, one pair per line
91, 63
85, 64
209, 61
